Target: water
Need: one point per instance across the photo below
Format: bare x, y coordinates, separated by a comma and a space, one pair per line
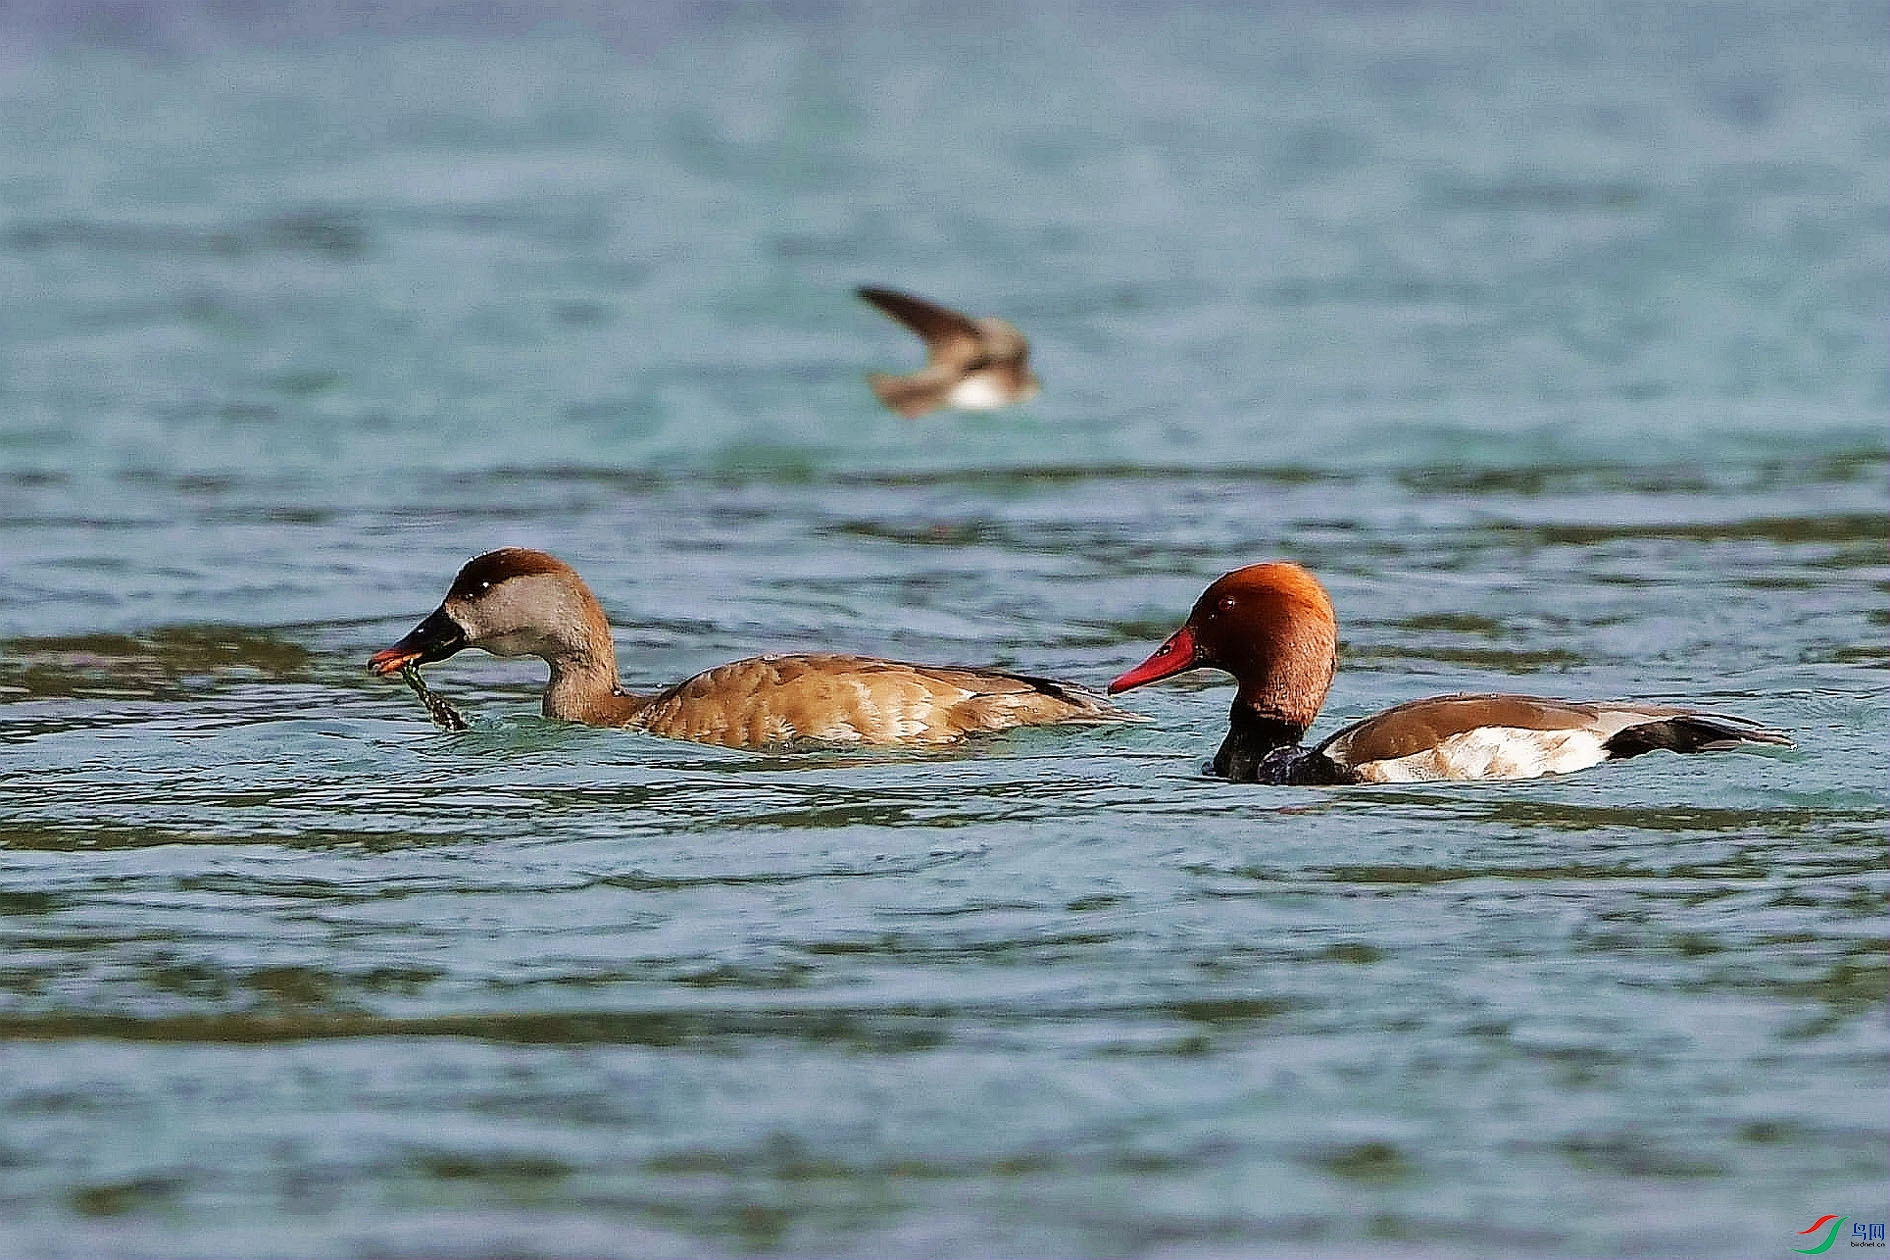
1550, 337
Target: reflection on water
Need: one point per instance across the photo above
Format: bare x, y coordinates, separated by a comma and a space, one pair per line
1550, 339
162, 664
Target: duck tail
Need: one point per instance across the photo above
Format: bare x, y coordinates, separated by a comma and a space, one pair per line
1692, 733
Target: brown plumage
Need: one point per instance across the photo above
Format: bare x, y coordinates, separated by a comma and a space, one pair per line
972, 364
1272, 627
519, 602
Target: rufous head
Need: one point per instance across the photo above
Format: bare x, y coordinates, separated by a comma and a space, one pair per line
1269, 625
511, 602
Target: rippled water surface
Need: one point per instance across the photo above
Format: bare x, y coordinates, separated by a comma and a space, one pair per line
1550, 337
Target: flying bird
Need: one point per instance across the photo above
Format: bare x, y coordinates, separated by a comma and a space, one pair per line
971, 364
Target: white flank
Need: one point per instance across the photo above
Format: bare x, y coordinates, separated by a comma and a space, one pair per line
1492, 752
977, 392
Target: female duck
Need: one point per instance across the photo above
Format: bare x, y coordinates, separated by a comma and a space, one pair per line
519, 602
1272, 627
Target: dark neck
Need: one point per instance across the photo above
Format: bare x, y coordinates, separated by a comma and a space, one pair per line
1251, 735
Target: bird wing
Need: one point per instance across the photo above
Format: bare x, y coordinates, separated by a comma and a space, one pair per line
949, 336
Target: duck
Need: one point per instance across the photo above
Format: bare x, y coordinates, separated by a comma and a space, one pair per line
971, 364
517, 601
1273, 628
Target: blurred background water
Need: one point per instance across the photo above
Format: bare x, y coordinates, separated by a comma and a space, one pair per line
1551, 336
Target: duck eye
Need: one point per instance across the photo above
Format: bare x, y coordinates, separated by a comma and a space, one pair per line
484, 587
1226, 604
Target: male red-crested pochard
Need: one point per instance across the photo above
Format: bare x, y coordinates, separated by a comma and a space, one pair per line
1272, 627
520, 602
971, 364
